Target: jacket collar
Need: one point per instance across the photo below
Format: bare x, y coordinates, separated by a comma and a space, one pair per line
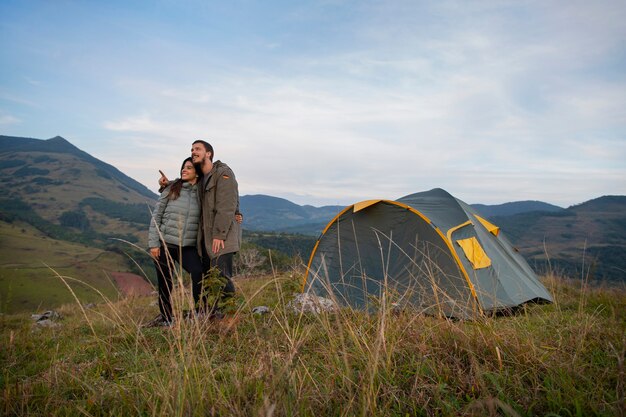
209, 178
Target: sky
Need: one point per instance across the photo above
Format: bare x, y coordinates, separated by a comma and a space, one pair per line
332, 102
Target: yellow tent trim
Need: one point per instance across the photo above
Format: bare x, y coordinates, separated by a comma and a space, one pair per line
333, 221
448, 243
493, 229
406, 206
455, 228
308, 267
364, 204
474, 252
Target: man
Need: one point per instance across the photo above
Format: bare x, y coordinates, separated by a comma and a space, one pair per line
219, 234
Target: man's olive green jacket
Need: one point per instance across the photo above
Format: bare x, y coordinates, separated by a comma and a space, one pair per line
219, 199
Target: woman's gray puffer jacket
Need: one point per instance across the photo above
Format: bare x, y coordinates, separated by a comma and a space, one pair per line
177, 219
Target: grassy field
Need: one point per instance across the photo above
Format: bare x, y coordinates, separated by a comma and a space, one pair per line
564, 359
30, 262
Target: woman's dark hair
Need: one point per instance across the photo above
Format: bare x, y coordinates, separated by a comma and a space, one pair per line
177, 185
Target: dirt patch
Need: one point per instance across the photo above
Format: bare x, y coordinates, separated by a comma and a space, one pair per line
131, 284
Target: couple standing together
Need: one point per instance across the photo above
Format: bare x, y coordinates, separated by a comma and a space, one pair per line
196, 223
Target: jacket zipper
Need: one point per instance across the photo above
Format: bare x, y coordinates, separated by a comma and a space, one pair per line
186, 217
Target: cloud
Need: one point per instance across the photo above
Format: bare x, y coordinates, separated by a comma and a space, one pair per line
510, 99
412, 120
32, 81
7, 120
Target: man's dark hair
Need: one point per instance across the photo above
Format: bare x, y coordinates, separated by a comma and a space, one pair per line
207, 147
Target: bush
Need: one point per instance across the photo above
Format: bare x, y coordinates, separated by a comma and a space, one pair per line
11, 163
27, 171
134, 213
76, 219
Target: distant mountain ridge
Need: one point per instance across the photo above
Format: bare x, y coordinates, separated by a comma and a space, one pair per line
267, 213
516, 207
607, 203
586, 240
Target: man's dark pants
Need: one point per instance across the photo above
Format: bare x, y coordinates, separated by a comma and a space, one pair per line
224, 264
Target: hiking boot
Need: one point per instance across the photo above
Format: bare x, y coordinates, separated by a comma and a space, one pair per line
216, 315
210, 315
158, 321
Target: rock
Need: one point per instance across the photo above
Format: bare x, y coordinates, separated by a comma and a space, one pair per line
46, 319
309, 303
260, 310
47, 315
90, 306
46, 323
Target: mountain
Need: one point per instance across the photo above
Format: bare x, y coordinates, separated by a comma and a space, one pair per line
61, 185
517, 207
62, 211
267, 213
60, 145
586, 240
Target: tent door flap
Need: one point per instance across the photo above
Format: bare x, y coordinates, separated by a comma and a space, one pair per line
474, 253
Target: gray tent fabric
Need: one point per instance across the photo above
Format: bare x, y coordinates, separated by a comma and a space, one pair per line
412, 248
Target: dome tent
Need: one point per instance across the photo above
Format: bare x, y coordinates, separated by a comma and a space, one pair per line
428, 250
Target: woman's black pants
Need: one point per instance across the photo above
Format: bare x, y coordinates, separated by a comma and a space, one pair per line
189, 259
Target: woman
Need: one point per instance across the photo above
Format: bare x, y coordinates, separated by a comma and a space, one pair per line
172, 237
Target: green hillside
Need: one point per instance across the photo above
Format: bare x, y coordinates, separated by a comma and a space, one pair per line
30, 263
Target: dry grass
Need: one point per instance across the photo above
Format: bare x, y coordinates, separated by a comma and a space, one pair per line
564, 359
